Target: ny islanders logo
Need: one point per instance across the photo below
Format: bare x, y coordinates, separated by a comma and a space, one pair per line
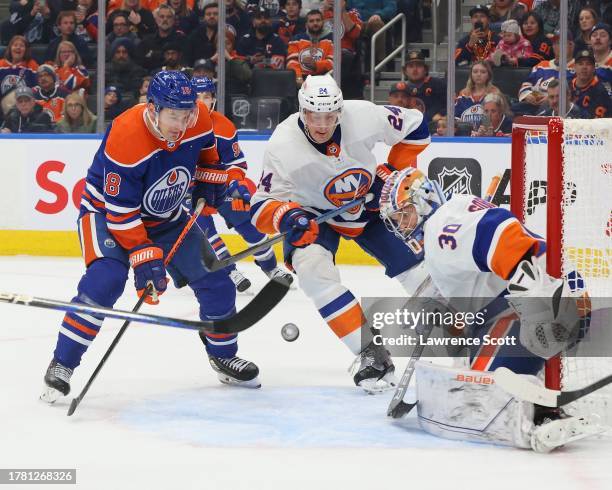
168, 192
350, 185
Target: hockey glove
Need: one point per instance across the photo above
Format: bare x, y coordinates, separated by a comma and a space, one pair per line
383, 171
148, 263
241, 190
302, 231
211, 186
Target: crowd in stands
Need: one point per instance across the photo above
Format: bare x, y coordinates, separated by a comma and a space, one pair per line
48, 82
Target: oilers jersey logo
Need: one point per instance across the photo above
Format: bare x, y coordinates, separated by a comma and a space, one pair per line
168, 192
348, 186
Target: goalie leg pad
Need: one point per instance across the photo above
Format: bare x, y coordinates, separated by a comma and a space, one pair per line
320, 279
466, 405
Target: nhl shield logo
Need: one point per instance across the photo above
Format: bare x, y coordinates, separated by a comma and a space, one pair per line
457, 181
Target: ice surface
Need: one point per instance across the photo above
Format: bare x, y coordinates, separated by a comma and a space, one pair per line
156, 418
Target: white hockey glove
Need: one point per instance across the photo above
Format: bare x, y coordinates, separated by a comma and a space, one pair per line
547, 309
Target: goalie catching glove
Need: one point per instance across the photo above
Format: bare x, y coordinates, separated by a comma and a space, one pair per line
148, 264
551, 313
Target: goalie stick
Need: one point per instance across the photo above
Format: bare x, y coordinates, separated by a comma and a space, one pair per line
522, 388
213, 263
398, 407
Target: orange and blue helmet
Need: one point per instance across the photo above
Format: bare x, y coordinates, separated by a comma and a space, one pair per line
407, 200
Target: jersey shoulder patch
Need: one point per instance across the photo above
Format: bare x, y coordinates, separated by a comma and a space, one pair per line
222, 126
127, 129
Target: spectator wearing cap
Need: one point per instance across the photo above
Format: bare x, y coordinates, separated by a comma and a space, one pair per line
532, 28
375, 14
588, 92
496, 120
29, 18
291, 22
398, 95
76, 117
202, 42
27, 116
532, 94
120, 30
149, 52
204, 68
172, 53
480, 42
503, 10
468, 106
512, 48
600, 43
49, 93
262, 47
121, 71
186, 19
311, 52
66, 24
112, 103
587, 18
432, 91
140, 19
552, 102
17, 66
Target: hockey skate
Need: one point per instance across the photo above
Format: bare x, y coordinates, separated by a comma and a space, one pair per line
236, 371
279, 272
57, 382
240, 281
374, 370
552, 434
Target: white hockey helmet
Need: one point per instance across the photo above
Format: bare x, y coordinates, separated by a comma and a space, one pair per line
320, 93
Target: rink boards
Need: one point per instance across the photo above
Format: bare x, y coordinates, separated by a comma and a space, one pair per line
43, 177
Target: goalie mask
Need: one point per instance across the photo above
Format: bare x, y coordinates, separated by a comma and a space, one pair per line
407, 199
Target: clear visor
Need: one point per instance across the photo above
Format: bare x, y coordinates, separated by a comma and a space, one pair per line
172, 123
321, 120
403, 222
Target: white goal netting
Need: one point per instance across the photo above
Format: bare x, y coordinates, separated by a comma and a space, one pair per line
585, 234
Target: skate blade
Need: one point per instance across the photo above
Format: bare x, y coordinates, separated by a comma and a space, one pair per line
228, 380
50, 395
377, 386
560, 432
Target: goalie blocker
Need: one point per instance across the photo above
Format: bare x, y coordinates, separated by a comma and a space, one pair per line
467, 405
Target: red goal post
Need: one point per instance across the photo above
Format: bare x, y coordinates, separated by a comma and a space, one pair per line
561, 188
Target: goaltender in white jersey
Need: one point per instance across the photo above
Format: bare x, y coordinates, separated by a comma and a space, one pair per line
476, 250
321, 159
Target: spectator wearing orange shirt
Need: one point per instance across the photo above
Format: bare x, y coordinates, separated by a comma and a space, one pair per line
49, 94
69, 68
311, 53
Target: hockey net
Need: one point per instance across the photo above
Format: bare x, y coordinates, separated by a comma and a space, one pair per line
561, 188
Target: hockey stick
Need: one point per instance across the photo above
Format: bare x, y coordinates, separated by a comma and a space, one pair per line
258, 307
213, 263
148, 290
522, 388
398, 407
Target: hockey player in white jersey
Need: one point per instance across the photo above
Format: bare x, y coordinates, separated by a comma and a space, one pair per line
474, 249
321, 159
